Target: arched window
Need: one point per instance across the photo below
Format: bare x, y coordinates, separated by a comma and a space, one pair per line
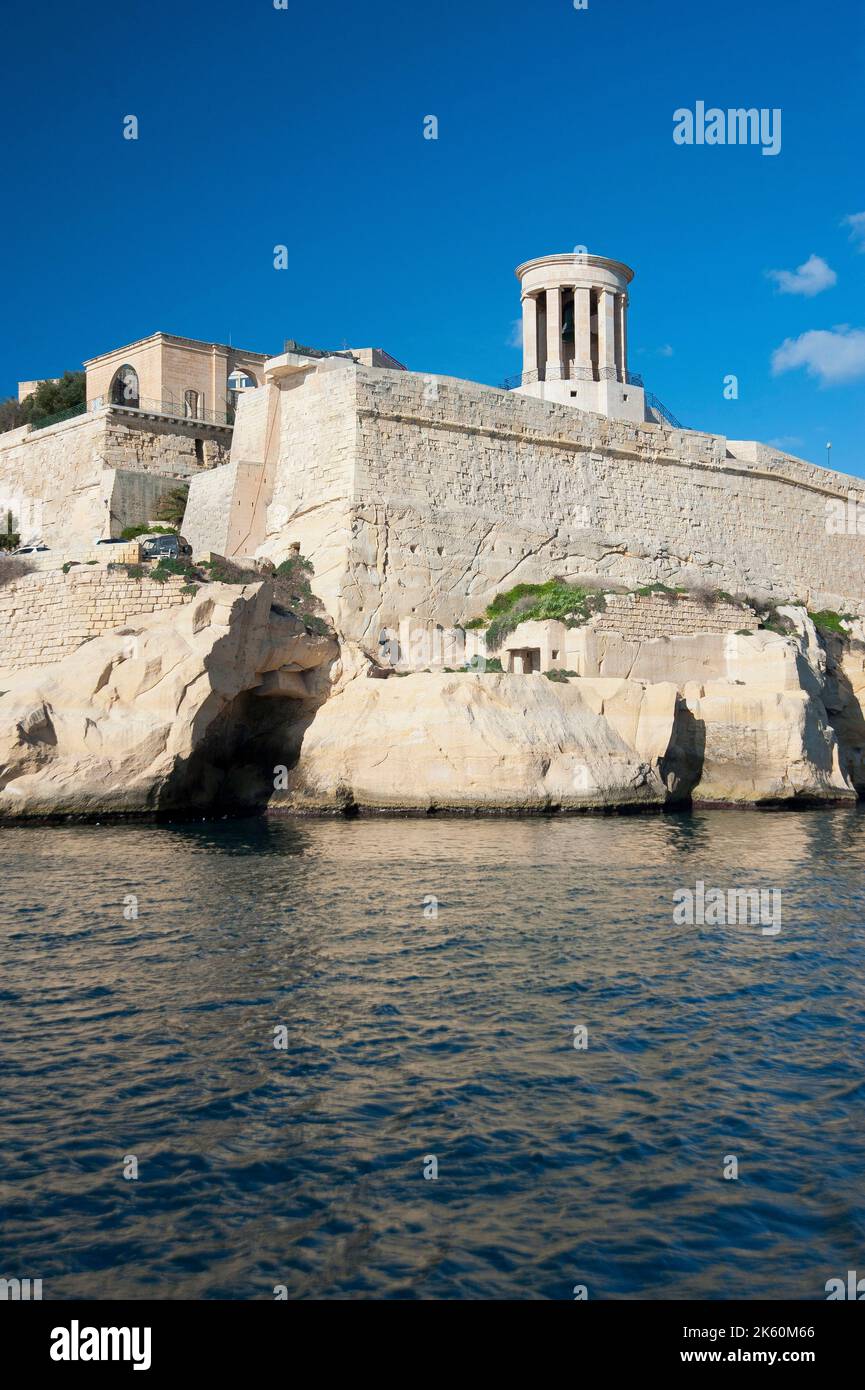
238, 382
191, 404
124, 387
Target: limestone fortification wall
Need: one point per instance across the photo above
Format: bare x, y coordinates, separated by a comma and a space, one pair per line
97, 471
422, 497
469, 491
157, 447
44, 617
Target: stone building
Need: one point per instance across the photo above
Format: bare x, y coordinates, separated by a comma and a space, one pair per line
28, 388
168, 375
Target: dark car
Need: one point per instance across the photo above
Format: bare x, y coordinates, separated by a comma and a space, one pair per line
165, 548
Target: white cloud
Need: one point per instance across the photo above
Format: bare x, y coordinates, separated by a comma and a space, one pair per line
665, 351
856, 223
515, 337
810, 278
833, 356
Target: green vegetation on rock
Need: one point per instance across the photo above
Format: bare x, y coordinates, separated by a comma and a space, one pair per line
131, 533
556, 600
827, 620
172, 505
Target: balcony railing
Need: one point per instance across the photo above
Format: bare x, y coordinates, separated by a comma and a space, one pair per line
175, 410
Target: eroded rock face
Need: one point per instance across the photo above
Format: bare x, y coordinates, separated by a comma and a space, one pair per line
121, 724
491, 742
845, 700
524, 743
194, 710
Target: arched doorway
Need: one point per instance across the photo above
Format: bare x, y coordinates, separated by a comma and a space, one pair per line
124, 387
191, 405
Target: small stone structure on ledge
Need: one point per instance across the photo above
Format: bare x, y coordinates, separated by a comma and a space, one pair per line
615, 635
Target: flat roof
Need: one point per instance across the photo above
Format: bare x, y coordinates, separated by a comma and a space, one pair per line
175, 338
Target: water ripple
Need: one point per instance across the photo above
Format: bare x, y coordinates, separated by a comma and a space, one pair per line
409, 1036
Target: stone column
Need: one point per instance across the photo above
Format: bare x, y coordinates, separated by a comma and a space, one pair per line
582, 333
623, 336
606, 333
530, 339
554, 334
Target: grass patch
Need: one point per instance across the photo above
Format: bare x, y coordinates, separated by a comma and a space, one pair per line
827, 620
658, 588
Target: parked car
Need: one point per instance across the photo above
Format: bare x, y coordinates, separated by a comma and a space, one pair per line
165, 548
29, 549
112, 540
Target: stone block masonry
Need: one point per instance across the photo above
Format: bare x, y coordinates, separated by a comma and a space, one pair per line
94, 474
645, 617
421, 498
44, 617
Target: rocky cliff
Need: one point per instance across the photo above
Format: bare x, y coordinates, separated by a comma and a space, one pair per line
151, 717
511, 742
231, 704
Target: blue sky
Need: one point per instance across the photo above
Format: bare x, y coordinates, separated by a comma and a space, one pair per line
303, 126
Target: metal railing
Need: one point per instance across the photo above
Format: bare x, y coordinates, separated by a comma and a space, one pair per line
175, 410
171, 409
45, 420
660, 409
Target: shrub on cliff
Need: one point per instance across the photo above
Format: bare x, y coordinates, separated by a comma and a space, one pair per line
131, 533
166, 569
662, 590
292, 591
827, 620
